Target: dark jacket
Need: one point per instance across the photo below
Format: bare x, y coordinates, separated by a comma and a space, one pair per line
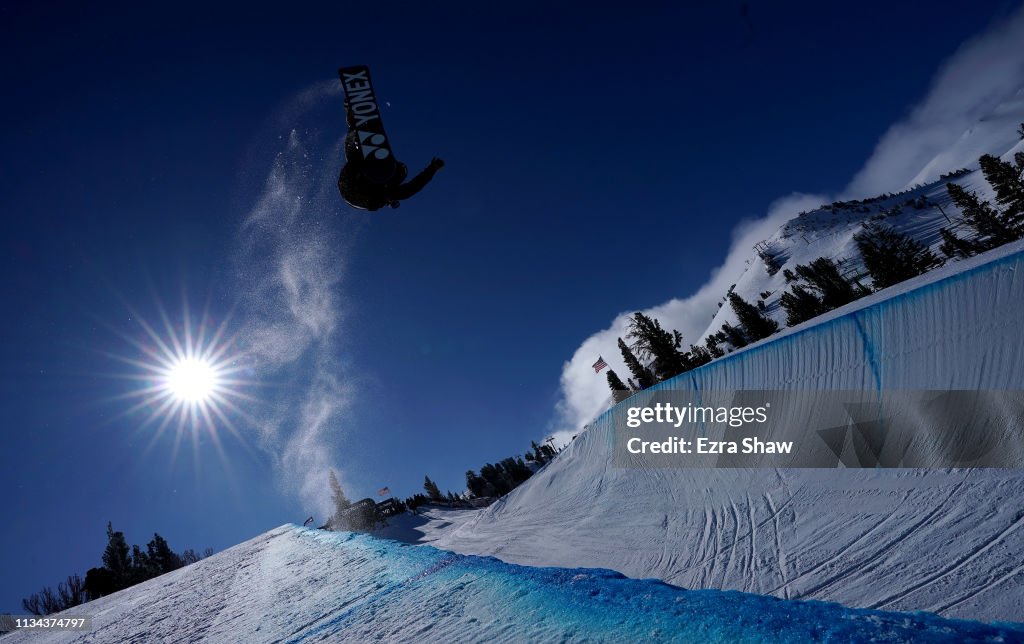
360, 191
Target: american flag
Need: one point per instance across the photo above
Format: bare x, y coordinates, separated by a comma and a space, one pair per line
599, 365
384, 491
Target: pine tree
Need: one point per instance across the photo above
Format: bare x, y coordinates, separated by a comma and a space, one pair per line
142, 567
1007, 181
833, 289
432, 490
800, 305
771, 263
619, 389
476, 485
99, 582
697, 356
953, 246
415, 501
892, 257
642, 375
337, 495
116, 558
734, 336
497, 481
756, 325
542, 453
982, 217
341, 502
164, 559
516, 470
652, 341
711, 342
538, 455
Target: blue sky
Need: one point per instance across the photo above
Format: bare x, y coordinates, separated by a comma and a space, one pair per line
596, 163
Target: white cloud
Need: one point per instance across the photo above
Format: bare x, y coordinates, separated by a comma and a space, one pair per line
962, 116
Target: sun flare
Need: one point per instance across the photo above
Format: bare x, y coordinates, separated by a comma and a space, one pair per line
192, 380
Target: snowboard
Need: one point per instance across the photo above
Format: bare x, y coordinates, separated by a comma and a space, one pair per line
364, 118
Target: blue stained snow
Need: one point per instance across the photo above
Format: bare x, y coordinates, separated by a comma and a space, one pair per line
483, 598
869, 350
303, 585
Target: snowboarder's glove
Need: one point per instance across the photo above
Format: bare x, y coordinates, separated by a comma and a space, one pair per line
436, 163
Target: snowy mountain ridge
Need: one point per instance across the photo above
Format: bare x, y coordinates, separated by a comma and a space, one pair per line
920, 211
988, 135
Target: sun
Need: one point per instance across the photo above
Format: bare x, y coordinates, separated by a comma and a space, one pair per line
192, 380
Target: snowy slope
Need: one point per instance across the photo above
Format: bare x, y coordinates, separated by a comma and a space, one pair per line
828, 231
988, 135
948, 541
296, 585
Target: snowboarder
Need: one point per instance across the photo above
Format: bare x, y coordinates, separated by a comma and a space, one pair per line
371, 177
362, 192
